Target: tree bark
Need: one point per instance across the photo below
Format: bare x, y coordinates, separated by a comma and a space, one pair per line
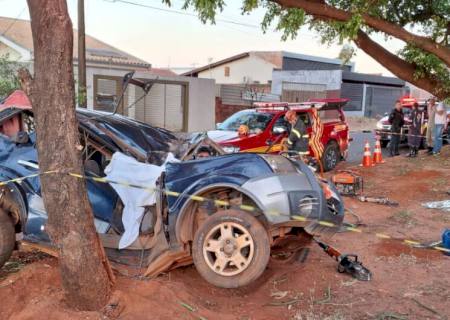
86, 274
321, 9
401, 68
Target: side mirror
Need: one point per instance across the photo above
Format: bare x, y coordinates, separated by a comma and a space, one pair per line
218, 125
279, 129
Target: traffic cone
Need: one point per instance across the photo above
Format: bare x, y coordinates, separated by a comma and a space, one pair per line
367, 157
377, 155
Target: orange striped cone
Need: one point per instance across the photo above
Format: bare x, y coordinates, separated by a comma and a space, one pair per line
367, 157
377, 155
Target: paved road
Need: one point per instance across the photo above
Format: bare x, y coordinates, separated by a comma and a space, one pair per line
356, 148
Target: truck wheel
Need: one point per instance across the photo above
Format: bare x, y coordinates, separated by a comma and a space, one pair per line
384, 143
7, 237
331, 156
231, 249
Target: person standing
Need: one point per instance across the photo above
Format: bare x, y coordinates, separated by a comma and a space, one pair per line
431, 110
440, 120
397, 120
298, 137
414, 137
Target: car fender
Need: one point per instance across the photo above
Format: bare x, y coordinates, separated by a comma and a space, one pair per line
184, 211
14, 201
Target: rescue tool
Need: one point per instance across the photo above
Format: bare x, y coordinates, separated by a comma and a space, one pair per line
347, 263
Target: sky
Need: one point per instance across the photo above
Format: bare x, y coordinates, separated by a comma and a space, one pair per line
168, 39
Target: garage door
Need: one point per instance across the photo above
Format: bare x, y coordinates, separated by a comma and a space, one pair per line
380, 100
163, 106
353, 92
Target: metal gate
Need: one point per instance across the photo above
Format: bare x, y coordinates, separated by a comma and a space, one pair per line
380, 100
164, 106
354, 92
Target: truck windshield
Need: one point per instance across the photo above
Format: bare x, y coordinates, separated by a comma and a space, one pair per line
255, 121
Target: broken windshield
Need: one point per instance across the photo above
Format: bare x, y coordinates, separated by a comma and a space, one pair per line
255, 121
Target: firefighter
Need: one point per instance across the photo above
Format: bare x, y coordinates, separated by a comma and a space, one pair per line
298, 138
415, 131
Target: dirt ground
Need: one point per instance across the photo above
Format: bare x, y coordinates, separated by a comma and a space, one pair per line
408, 283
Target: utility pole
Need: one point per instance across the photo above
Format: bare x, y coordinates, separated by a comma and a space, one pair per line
82, 96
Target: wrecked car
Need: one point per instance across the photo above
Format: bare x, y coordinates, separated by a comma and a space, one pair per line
223, 213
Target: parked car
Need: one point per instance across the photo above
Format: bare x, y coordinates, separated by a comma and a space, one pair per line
383, 127
267, 127
229, 246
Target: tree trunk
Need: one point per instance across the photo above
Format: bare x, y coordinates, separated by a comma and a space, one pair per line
86, 274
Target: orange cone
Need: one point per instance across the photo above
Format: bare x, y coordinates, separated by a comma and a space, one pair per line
367, 157
377, 155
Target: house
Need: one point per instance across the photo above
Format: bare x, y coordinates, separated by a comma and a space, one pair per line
293, 77
255, 67
174, 102
369, 95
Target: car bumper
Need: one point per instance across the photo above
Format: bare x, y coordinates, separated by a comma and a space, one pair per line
287, 198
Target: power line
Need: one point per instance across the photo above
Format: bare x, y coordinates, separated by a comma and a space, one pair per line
182, 13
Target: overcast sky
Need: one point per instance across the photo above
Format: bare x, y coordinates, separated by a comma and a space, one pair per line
180, 40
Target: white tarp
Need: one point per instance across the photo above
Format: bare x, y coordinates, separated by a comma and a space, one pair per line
442, 205
126, 169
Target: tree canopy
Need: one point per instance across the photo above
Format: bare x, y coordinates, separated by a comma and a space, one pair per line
423, 26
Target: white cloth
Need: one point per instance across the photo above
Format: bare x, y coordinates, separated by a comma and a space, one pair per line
126, 169
440, 118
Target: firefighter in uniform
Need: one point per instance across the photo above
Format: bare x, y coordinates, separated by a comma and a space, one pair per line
298, 138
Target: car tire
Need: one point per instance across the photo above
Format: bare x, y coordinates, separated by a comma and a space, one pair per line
231, 249
384, 143
7, 237
331, 156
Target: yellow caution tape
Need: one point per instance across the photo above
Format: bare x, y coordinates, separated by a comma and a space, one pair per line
248, 208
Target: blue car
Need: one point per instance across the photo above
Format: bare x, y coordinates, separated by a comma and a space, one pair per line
223, 213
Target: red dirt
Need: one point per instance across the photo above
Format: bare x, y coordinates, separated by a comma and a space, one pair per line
408, 283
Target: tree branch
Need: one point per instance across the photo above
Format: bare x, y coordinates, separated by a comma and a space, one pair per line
398, 66
324, 10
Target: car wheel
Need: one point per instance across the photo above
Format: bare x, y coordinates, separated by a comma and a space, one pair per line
7, 237
331, 156
384, 143
231, 249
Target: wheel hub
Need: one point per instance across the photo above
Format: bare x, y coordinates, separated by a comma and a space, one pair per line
228, 248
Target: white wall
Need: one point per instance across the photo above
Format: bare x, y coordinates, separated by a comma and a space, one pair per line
251, 67
331, 78
201, 95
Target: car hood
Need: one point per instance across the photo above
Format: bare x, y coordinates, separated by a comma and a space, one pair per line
236, 169
222, 135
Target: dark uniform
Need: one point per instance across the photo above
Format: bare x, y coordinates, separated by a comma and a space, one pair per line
414, 137
298, 138
397, 120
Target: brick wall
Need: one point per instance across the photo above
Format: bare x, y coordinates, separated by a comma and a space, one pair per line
223, 111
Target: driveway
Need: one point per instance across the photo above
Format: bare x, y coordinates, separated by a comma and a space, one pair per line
356, 149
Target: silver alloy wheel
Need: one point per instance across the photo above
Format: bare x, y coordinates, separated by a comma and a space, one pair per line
228, 249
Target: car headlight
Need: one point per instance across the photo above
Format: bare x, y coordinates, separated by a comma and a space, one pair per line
279, 164
379, 125
231, 149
